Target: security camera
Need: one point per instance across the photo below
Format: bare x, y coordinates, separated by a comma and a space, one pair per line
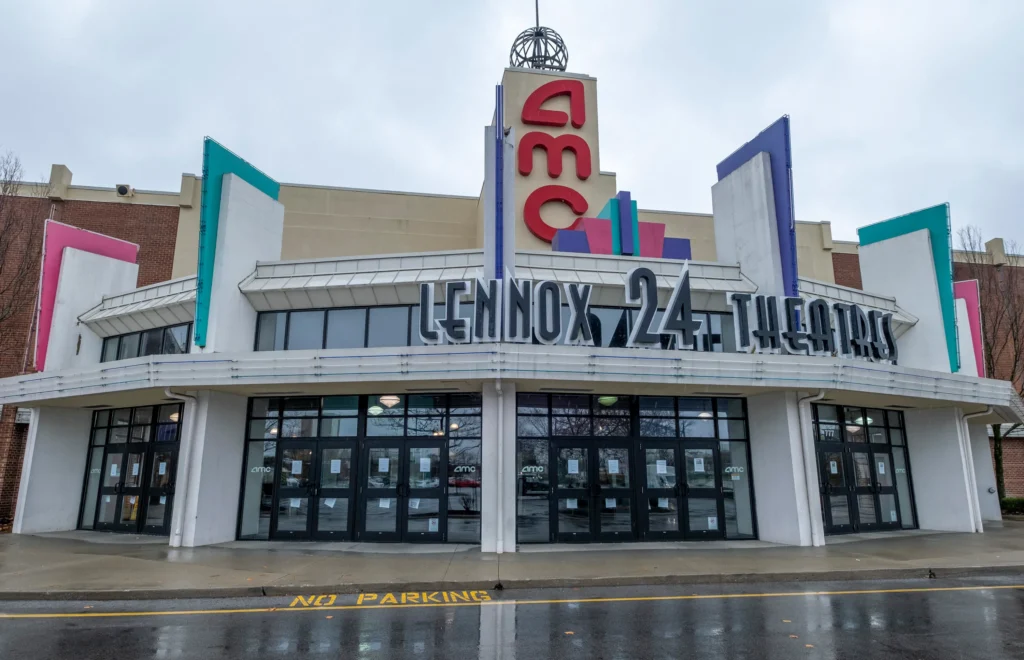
124, 190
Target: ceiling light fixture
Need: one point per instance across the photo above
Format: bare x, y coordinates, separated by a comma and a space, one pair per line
607, 400
375, 410
173, 417
704, 414
390, 400
454, 426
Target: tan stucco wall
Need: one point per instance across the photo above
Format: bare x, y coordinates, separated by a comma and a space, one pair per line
814, 247
698, 227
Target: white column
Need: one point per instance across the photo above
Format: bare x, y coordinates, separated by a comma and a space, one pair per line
498, 512
50, 492
984, 472
210, 505
777, 469
939, 469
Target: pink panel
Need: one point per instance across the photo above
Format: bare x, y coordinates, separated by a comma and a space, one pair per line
56, 237
968, 291
652, 239
599, 234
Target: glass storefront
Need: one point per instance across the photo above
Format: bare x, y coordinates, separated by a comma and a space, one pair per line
625, 468
864, 469
389, 467
130, 469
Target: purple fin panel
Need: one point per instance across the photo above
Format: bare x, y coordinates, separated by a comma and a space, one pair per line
570, 240
775, 141
626, 223
676, 248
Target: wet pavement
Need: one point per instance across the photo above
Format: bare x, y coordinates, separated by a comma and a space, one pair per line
966, 619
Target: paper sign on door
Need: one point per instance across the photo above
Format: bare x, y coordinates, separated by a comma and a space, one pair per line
662, 502
163, 499
113, 469
613, 466
698, 465
574, 468
161, 469
135, 469
570, 503
131, 500
385, 503
892, 515
296, 467
712, 522
833, 467
335, 466
383, 464
414, 503
609, 502
661, 467
881, 467
294, 503
432, 525
329, 502
425, 465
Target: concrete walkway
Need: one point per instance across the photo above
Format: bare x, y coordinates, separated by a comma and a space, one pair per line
91, 565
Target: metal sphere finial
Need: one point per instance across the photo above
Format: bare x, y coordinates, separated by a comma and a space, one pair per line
539, 48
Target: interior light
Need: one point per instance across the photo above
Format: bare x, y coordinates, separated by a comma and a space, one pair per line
375, 410
454, 426
852, 429
704, 415
273, 431
389, 400
173, 417
607, 400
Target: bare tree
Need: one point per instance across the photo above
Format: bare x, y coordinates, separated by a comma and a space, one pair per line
1000, 279
22, 208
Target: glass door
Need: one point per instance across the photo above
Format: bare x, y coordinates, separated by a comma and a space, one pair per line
612, 491
863, 489
380, 490
571, 496
423, 491
334, 493
703, 491
120, 501
885, 489
835, 490
661, 493
160, 493
295, 490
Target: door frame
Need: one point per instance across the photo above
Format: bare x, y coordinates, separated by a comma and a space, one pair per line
439, 492
160, 491
282, 493
717, 492
826, 491
554, 444
647, 493
323, 493
599, 493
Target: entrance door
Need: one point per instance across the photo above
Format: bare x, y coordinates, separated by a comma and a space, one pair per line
571, 494
334, 493
403, 491
296, 487
612, 491
703, 491
593, 497
121, 492
874, 489
835, 490
159, 496
885, 489
661, 491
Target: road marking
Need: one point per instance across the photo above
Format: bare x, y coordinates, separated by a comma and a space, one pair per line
495, 603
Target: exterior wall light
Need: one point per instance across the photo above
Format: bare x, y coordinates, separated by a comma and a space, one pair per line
389, 400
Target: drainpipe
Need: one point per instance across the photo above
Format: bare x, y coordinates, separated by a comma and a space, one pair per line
501, 466
185, 459
810, 467
971, 478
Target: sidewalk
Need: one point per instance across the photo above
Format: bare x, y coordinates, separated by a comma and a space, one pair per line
95, 566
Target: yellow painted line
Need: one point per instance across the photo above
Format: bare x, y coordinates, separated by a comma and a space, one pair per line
552, 601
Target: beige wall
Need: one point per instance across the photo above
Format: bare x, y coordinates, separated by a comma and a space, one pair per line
698, 227
814, 251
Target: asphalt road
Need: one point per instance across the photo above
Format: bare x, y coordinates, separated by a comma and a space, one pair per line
978, 618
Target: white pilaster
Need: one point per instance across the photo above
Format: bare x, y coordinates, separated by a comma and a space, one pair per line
498, 515
984, 471
939, 469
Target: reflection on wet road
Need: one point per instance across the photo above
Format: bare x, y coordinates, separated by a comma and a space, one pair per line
980, 618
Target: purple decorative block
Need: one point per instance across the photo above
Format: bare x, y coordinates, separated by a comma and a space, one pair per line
676, 248
570, 240
626, 223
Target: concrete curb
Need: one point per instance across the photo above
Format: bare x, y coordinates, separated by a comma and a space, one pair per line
540, 583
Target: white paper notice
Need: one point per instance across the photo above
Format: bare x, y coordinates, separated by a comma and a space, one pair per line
881, 467
574, 468
613, 466
662, 502
163, 499
425, 465
135, 469
106, 498
736, 477
570, 503
698, 465
335, 466
296, 467
661, 467
892, 515
414, 503
329, 502
383, 464
833, 467
131, 500
294, 502
385, 503
609, 502
113, 469
712, 522
161, 469
432, 525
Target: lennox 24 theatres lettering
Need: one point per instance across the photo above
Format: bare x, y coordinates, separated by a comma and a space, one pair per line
522, 311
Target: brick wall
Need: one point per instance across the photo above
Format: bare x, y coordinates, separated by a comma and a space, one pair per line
846, 268
1013, 465
152, 228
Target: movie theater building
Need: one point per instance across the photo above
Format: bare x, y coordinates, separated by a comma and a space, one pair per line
544, 363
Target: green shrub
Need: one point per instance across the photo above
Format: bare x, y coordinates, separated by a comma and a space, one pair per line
1013, 505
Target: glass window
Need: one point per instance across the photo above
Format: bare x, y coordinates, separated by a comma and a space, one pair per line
853, 415
728, 333
618, 406
176, 340
902, 474
532, 425
609, 326
270, 329
739, 515
143, 415
346, 328
730, 408
258, 490
339, 405
109, 349
875, 417
689, 407
658, 406
732, 429
129, 347
895, 418
414, 326
697, 428
532, 404
301, 407
266, 407
570, 404
389, 326
464, 495
92, 488
121, 416
427, 404
828, 433
102, 418
827, 413
152, 342
305, 330
466, 404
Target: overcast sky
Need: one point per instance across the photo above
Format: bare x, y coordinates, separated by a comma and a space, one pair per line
895, 105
